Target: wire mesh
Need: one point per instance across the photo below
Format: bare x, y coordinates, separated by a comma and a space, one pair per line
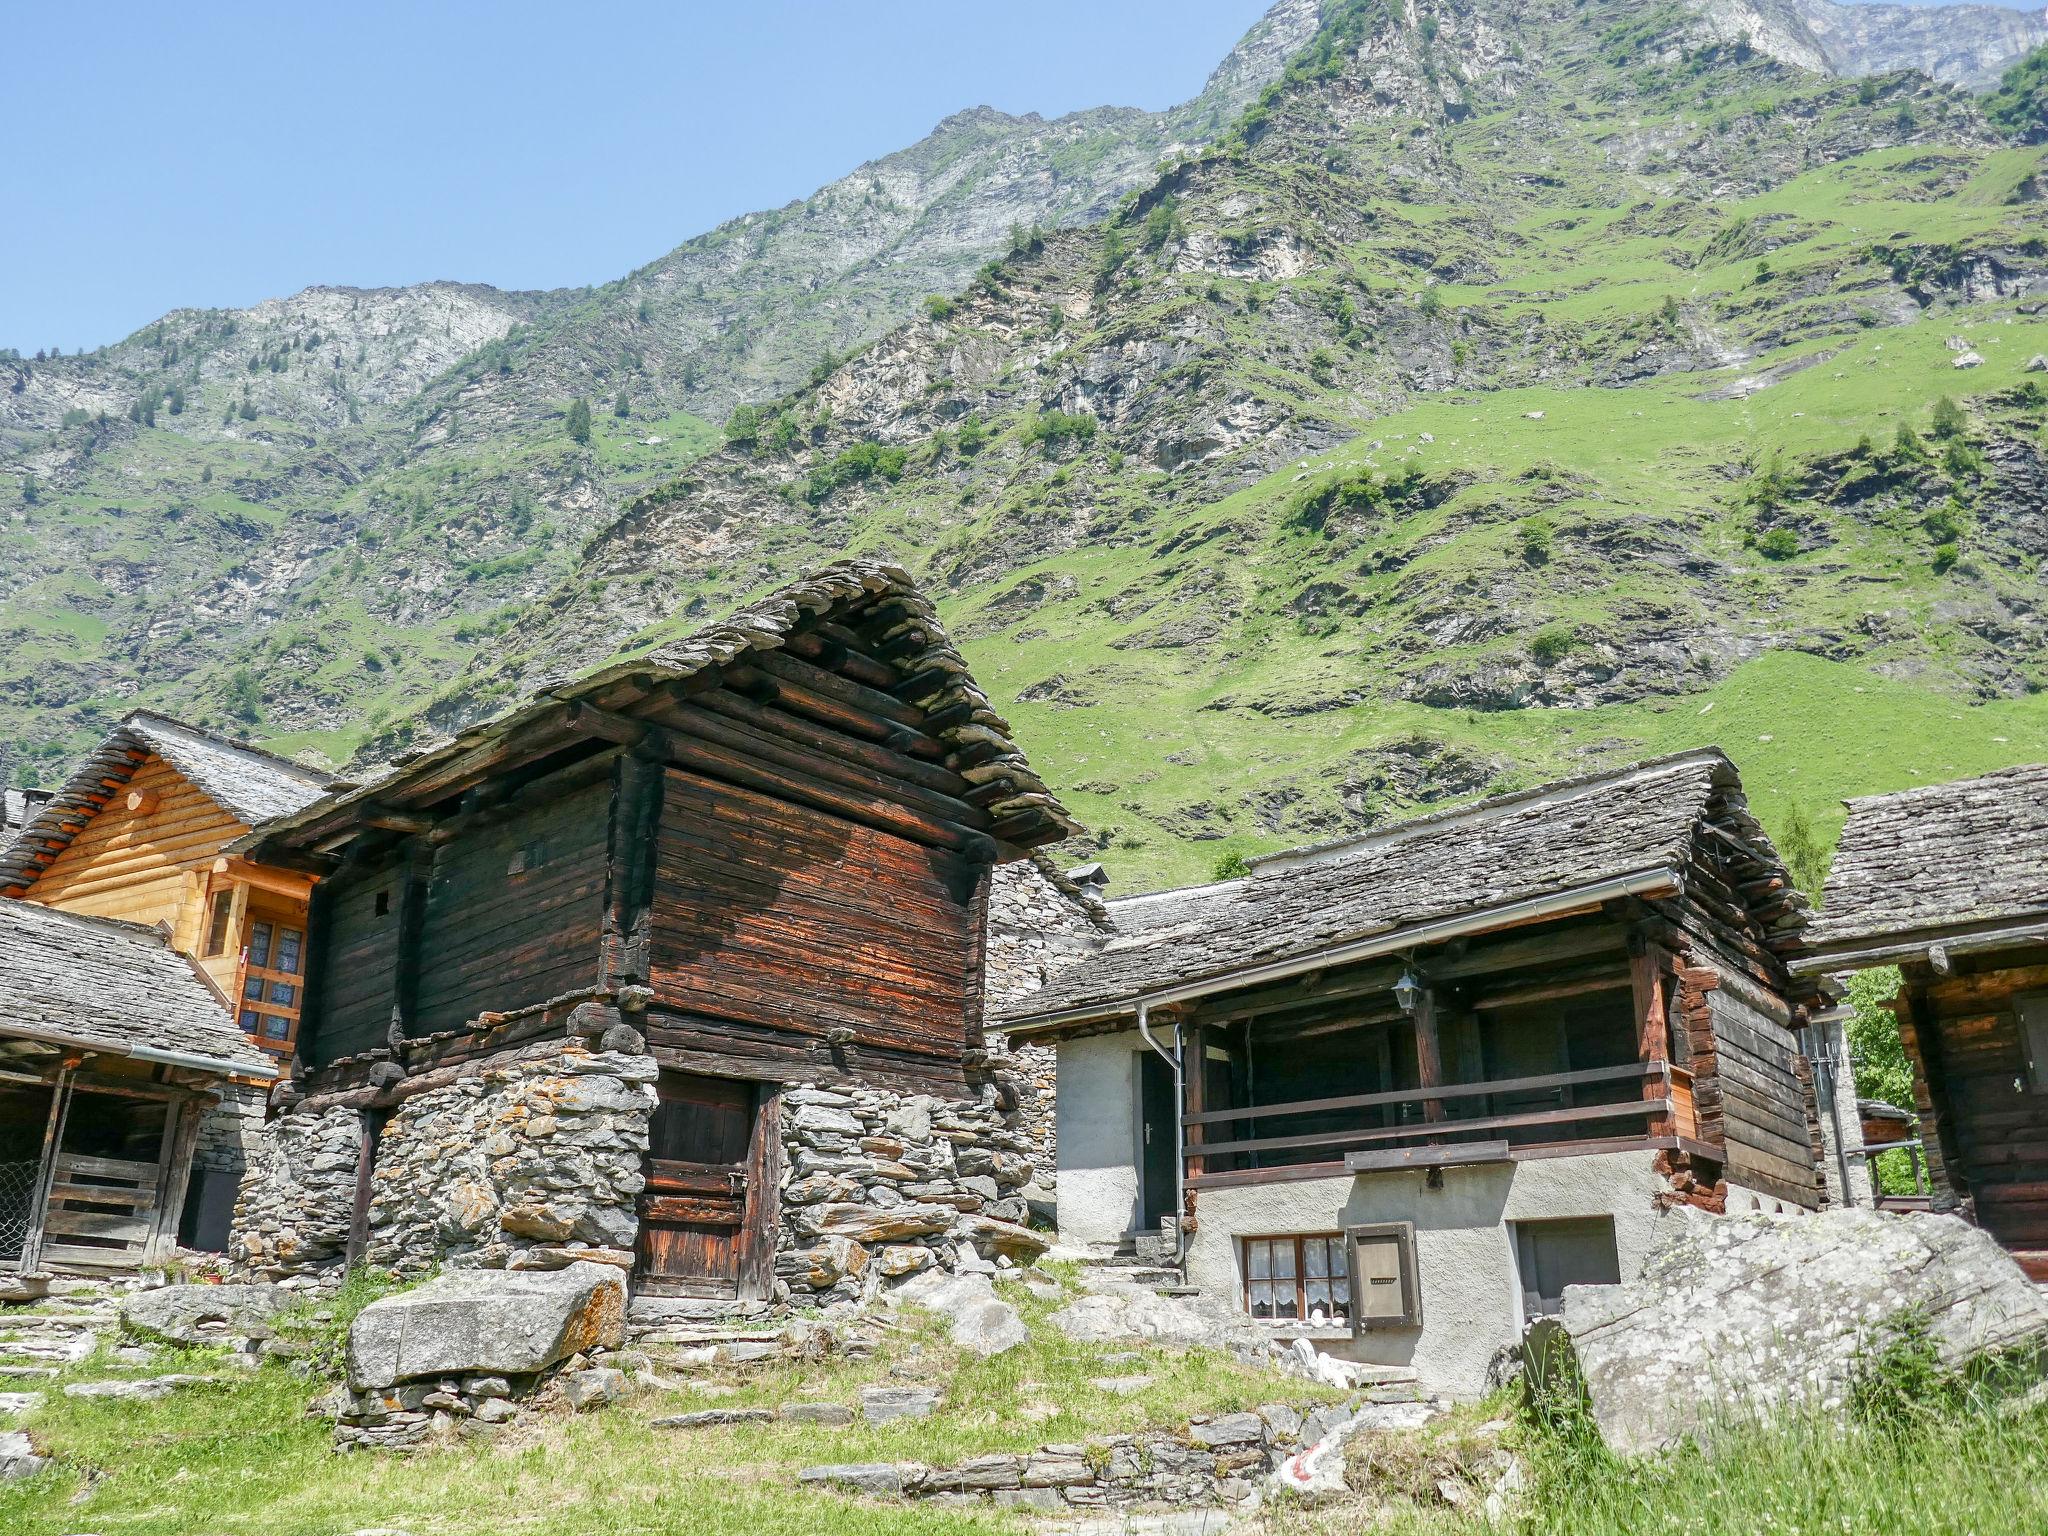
17, 1202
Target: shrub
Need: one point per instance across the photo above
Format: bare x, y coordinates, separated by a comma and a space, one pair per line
939, 307
1231, 866
1949, 420
1049, 429
1947, 523
1536, 533
1946, 556
743, 427
2020, 104
1163, 223
1779, 544
31, 490
972, 437
579, 420
1431, 304
863, 461
1322, 367
245, 694
1552, 644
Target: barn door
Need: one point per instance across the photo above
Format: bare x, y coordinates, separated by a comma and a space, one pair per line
707, 1146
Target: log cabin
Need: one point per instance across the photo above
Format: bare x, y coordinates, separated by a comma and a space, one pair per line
137, 833
1392, 1094
746, 871
1949, 883
113, 1047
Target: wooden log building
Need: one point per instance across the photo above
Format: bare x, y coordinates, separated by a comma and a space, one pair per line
137, 833
761, 853
113, 1046
1950, 884
1399, 1091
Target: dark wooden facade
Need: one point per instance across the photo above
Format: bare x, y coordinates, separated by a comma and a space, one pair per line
1637, 997
765, 849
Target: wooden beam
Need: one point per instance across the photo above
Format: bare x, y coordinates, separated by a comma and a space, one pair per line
629, 869
1429, 1056
46, 1167
1543, 1117
901, 736
412, 922
1537, 1084
1452, 1156
1649, 970
816, 737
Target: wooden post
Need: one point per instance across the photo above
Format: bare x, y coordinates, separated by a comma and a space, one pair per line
183, 1118
412, 922
1194, 1062
53, 1139
371, 1125
1648, 979
629, 869
1948, 1177
1429, 1055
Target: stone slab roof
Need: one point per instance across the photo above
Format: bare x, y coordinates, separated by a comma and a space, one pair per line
113, 987
1938, 858
250, 784
1512, 849
760, 626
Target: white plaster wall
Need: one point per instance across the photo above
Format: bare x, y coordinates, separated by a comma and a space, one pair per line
1098, 1138
1471, 1291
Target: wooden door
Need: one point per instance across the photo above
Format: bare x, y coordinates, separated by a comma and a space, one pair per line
1157, 1112
705, 1145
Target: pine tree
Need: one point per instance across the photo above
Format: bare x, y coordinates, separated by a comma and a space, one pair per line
622, 407
1949, 420
579, 419
31, 490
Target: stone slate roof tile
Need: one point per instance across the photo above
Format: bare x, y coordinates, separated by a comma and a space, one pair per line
1512, 848
1939, 857
114, 987
759, 626
250, 784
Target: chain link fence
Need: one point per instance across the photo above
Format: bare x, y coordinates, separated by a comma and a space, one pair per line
17, 1201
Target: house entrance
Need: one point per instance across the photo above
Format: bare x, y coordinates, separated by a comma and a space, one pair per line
1158, 1109
706, 1152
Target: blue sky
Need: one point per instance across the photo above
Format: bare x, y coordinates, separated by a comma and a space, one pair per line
218, 154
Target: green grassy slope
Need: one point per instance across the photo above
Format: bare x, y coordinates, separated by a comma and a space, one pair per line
1517, 392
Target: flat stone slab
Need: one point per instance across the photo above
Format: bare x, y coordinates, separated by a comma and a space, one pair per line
205, 1314
20, 1402
147, 1390
1122, 1386
18, 1456
66, 1349
877, 1479
487, 1322
885, 1405
831, 1415
712, 1418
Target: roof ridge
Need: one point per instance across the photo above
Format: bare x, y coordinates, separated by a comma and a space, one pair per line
1915, 791
1317, 853
232, 743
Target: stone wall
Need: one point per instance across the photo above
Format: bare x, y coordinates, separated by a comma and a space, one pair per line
1039, 922
879, 1185
298, 1195
524, 1163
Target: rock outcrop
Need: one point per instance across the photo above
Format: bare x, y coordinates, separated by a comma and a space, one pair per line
205, 1314
1740, 1318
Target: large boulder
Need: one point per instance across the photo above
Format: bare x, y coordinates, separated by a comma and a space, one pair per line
488, 1322
205, 1314
981, 1322
1737, 1318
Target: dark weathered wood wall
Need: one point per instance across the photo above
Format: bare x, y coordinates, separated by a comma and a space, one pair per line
1986, 1130
353, 980
513, 911
779, 929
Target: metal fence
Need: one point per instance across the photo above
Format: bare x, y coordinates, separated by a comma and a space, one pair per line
17, 1205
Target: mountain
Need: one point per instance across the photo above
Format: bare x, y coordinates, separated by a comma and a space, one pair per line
348, 488
1968, 45
1510, 388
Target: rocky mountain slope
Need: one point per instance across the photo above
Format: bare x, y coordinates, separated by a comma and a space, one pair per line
1968, 45
1516, 388
1512, 387
300, 510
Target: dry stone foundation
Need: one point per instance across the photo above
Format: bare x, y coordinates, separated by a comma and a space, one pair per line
292, 1217
528, 1163
881, 1185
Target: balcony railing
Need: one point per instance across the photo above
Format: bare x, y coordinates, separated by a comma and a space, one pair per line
1446, 1116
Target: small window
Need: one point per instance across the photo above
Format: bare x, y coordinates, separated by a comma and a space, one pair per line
283, 993
1554, 1254
291, 948
1384, 1277
217, 923
383, 903
2033, 1017
276, 1028
252, 989
1298, 1279
529, 857
259, 944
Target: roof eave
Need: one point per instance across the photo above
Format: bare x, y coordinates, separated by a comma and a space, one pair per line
1658, 880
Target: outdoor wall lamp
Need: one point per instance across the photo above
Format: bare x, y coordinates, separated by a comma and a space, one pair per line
1408, 991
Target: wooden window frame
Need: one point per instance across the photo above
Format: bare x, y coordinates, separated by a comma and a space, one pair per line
1301, 1276
220, 921
270, 975
1402, 1235
2029, 1014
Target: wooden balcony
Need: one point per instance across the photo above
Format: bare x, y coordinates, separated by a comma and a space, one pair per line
1596, 1109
